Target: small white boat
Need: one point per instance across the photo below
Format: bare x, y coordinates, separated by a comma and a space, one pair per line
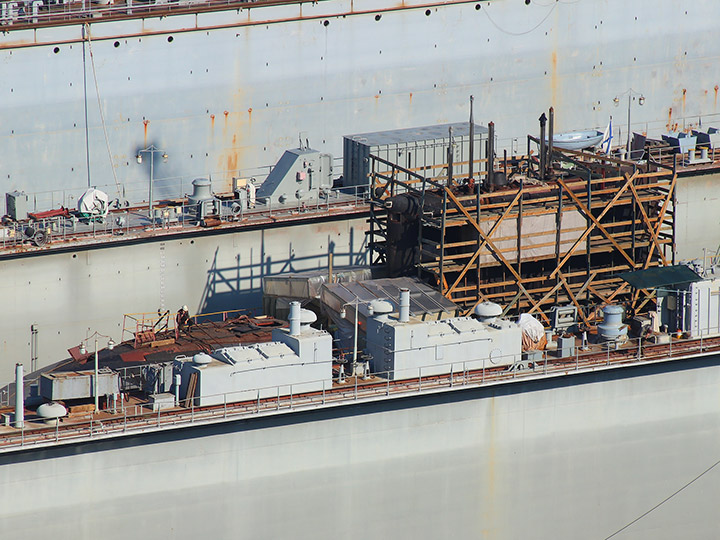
577, 140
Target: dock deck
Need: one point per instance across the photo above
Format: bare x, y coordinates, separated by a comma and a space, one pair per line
135, 417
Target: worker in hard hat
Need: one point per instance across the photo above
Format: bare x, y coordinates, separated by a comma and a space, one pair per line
182, 319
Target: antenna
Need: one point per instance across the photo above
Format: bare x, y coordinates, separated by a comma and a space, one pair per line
472, 138
450, 157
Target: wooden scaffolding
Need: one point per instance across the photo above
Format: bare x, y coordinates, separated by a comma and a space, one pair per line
529, 244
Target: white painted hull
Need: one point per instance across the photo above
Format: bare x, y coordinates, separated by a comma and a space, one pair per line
577, 457
232, 90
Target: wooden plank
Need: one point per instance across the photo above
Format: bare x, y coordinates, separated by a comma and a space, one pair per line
494, 248
596, 223
484, 241
157, 343
573, 299
190, 392
545, 298
599, 294
648, 298
661, 216
650, 228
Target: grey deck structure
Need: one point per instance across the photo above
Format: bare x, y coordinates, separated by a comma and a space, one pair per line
71, 289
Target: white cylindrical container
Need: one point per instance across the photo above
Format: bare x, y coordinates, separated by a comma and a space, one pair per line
404, 315
487, 312
178, 383
294, 318
612, 327
51, 412
381, 309
202, 359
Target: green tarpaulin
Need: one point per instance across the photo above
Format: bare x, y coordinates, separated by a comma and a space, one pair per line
660, 276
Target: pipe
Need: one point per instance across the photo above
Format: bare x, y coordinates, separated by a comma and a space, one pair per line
95, 380
404, 315
450, 158
294, 318
558, 238
505, 171
355, 335
178, 383
472, 140
543, 121
491, 155
19, 397
551, 131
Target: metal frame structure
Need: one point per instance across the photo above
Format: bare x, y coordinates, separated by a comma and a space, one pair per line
537, 242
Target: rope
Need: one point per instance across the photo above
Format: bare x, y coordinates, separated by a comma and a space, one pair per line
658, 505
102, 115
545, 18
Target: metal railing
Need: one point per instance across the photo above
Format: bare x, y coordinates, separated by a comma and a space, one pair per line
43, 12
515, 146
303, 396
170, 216
135, 191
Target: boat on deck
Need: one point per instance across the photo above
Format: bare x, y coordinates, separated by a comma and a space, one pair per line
577, 140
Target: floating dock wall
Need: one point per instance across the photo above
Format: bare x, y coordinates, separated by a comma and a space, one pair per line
573, 457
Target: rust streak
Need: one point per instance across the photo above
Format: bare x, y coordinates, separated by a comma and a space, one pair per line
212, 121
684, 93
232, 161
145, 127
553, 78
716, 95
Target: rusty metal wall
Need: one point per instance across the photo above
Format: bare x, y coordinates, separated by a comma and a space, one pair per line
230, 90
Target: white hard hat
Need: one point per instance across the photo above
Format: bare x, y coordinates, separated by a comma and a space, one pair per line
184, 308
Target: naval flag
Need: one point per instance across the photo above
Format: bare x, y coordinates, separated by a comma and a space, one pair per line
607, 138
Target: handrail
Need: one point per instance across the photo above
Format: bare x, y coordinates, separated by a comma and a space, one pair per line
139, 322
135, 419
28, 14
168, 217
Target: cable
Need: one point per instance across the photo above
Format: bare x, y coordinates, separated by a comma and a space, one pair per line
87, 135
102, 116
557, 2
520, 33
658, 505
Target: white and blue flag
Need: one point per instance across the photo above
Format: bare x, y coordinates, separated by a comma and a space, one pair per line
607, 138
